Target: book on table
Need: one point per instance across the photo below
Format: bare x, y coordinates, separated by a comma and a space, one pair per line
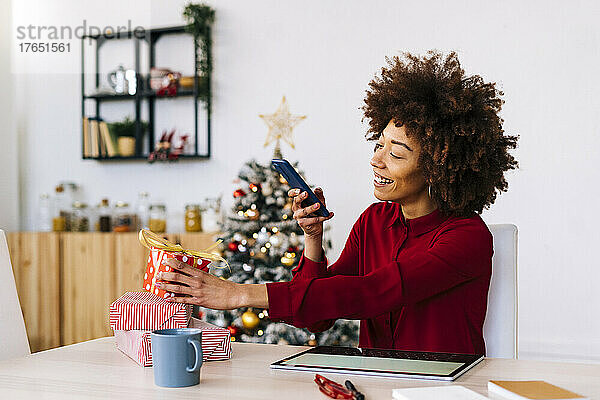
538, 390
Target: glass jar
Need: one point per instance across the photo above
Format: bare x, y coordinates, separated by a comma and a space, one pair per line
157, 222
123, 219
44, 214
142, 210
80, 220
193, 218
104, 217
70, 194
211, 218
61, 214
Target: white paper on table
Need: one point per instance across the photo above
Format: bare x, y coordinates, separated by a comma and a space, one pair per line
449, 392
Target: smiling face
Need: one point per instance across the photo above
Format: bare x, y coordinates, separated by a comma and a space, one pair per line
398, 178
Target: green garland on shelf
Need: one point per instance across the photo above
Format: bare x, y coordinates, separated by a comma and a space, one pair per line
200, 18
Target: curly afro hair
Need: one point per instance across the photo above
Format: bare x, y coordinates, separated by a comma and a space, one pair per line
454, 118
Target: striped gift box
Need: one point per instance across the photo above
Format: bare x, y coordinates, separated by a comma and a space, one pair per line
136, 345
147, 311
216, 343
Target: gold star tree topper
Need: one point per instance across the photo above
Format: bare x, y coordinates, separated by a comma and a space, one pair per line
281, 123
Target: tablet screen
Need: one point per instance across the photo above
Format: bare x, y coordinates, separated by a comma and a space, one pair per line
376, 364
396, 363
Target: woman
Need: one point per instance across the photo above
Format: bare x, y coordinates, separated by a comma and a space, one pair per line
416, 266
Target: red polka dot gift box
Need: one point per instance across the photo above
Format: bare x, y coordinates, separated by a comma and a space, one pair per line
157, 262
162, 250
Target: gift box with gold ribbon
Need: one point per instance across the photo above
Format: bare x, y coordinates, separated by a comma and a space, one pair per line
161, 250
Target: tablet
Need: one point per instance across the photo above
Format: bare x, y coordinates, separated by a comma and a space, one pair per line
380, 362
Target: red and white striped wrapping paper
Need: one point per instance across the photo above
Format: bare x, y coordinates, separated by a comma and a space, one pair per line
136, 345
216, 343
147, 311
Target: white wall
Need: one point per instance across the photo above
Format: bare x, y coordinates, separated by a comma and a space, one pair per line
321, 55
9, 186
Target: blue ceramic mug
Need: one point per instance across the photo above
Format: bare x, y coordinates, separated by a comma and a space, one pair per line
176, 356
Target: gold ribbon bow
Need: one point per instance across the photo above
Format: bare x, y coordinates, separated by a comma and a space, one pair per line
151, 241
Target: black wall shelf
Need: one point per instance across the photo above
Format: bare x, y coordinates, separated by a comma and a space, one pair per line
144, 94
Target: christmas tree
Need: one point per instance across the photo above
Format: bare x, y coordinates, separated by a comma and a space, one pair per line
263, 243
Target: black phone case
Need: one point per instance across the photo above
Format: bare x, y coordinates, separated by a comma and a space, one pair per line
296, 182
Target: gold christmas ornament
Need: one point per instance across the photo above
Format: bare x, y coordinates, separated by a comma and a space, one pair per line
281, 123
288, 259
312, 342
252, 215
250, 320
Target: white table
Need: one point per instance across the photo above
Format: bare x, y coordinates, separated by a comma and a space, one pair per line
96, 369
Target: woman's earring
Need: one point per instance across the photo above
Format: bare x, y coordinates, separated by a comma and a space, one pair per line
429, 191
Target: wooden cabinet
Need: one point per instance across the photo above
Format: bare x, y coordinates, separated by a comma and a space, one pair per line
36, 265
87, 285
66, 281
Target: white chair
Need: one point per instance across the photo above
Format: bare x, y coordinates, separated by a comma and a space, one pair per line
13, 337
500, 327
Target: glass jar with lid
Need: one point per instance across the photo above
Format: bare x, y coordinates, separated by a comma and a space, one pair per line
123, 219
44, 214
211, 218
193, 218
142, 210
157, 221
61, 211
80, 220
104, 217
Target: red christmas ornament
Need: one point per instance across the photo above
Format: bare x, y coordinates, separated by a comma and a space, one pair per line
233, 330
239, 193
292, 249
233, 246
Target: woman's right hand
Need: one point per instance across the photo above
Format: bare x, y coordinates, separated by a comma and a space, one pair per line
311, 225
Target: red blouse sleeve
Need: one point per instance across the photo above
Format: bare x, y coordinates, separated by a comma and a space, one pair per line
458, 255
306, 270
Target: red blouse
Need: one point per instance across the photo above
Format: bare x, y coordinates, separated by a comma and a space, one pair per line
416, 284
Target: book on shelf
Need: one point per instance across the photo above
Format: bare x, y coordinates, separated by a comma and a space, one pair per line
94, 133
98, 141
108, 139
539, 390
101, 144
86, 137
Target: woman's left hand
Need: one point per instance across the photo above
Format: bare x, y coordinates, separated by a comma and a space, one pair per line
200, 288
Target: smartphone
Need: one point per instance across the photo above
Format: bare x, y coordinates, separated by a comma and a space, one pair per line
296, 182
